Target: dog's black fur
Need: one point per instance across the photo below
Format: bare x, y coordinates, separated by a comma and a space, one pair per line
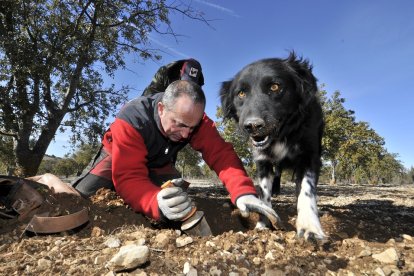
275, 102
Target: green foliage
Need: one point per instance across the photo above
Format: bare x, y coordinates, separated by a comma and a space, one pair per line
53, 55
189, 162
6, 155
354, 151
410, 175
83, 156
65, 167
231, 133
71, 164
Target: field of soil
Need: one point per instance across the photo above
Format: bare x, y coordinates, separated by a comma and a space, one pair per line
370, 228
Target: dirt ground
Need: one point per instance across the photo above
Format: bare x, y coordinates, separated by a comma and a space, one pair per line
370, 228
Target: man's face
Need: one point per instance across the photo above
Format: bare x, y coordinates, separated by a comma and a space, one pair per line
179, 122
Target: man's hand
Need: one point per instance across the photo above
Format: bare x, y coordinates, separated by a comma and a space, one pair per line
250, 203
174, 203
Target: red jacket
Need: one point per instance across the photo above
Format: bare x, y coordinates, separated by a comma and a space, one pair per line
131, 157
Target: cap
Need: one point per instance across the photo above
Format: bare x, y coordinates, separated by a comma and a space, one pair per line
191, 71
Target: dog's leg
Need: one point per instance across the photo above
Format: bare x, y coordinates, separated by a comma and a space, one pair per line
266, 175
276, 182
307, 223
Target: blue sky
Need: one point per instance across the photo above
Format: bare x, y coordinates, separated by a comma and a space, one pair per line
364, 49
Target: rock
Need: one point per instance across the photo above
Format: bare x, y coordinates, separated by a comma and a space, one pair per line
407, 237
97, 232
279, 246
112, 242
378, 271
44, 264
273, 272
365, 252
214, 271
389, 256
228, 245
136, 235
269, 256
99, 260
129, 257
188, 270
161, 240
342, 235
183, 241
391, 270
257, 260
140, 241
210, 244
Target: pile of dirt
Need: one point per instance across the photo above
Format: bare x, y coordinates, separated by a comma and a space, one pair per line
371, 232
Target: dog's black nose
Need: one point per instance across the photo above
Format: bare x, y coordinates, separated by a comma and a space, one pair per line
253, 125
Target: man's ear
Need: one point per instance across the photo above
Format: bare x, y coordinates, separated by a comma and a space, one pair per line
161, 108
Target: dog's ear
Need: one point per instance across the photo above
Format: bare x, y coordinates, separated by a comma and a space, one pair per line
226, 99
306, 81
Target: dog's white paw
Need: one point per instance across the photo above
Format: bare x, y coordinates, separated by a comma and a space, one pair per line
308, 225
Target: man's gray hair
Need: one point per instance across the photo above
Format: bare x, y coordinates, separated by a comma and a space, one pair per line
179, 88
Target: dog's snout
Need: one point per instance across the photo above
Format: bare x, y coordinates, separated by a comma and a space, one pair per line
253, 125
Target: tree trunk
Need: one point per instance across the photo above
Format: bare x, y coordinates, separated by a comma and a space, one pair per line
333, 174
28, 160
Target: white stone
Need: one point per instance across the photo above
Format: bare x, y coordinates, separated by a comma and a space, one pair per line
161, 240
269, 256
44, 264
214, 271
389, 256
188, 270
407, 237
365, 253
183, 241
129, 257
257, 260
379, 271
113, 242
210, 243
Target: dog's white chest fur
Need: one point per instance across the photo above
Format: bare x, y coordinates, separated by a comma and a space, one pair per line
280, 151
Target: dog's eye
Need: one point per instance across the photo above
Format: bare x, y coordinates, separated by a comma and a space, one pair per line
275, 87
241, 94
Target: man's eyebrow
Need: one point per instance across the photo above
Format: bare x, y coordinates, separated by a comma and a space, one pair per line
184, 125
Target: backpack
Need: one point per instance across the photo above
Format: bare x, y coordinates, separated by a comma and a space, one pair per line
44, 203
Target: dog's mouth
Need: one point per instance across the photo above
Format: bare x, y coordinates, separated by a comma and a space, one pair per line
260, 142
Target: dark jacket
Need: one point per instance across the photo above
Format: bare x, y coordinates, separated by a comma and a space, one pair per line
166, 75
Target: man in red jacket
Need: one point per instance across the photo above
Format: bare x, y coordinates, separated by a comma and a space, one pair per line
140, 148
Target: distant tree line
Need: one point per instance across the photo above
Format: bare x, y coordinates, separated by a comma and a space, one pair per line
71, 164
352, 152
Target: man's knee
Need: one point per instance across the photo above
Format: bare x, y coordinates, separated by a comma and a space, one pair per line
90, 183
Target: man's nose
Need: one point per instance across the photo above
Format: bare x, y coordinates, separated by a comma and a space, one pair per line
185, 132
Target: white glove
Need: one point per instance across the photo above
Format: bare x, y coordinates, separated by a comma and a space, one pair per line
250, 203
174, 203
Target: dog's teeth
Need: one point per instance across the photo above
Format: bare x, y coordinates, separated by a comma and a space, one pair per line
260, 143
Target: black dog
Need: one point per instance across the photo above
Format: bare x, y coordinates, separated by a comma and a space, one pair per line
275, 102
